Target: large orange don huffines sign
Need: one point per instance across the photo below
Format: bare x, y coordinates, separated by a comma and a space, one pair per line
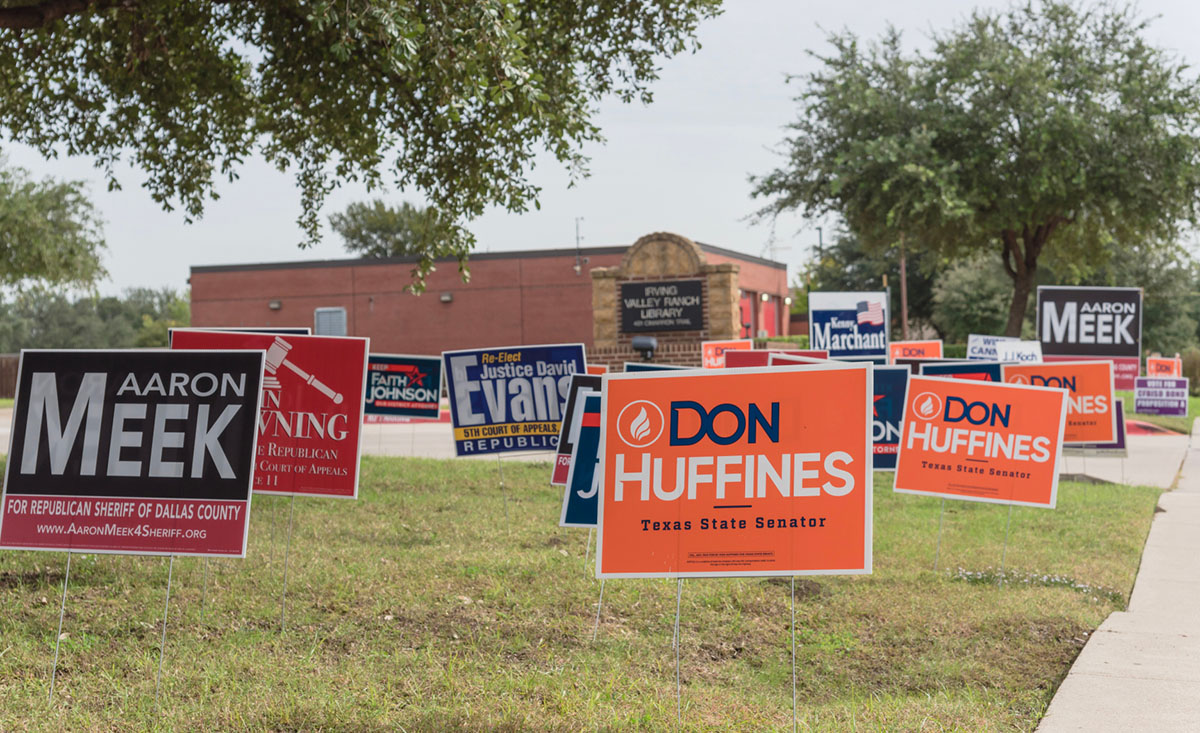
981, 441
1091, 417
740, 472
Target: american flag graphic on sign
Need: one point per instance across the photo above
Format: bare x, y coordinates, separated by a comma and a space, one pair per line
870, 312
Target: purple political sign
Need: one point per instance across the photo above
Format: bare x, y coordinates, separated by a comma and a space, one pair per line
1161, 396
1115, 448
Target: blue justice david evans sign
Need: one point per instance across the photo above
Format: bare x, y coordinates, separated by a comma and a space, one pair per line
509, 399
849, 324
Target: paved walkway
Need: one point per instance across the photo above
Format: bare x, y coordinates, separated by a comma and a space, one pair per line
1141, 669
1153, 461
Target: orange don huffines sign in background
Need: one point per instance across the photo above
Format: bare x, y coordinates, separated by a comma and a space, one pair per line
931, 349
1089, 386
1163, 367
981, 441
737, 472
714, 351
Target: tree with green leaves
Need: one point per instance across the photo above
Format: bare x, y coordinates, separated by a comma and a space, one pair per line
376, 229
49, 232
452, 100
43, 318
972, 296
846, 264
1042, 133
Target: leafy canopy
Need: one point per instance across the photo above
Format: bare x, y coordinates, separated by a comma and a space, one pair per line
49, 232
450, 99
376, 229
1045, 129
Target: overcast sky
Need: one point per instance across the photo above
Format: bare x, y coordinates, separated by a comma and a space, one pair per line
679, 164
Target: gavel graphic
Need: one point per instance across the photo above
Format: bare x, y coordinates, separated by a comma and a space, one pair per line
277, 357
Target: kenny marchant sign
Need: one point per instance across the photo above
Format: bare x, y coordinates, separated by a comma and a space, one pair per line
848, 324
665, 305
132, 452
510, 398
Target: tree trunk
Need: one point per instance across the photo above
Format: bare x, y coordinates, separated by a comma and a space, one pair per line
1022, 287
903, 293
1020, 254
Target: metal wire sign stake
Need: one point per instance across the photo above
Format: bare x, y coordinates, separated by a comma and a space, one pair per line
204, 590
500, 466
793, 654
62, 607
938, 552
599, 604
162, 644
286, 555
1004, 552
678, 688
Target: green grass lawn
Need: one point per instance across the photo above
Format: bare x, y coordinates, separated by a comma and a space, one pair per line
1178, 424
420, 608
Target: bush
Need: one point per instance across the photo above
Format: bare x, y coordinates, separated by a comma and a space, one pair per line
972, 296
1191, 370
795, 341
954, 351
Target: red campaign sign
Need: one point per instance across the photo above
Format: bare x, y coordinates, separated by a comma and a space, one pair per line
761, 357
310, 428
126, 526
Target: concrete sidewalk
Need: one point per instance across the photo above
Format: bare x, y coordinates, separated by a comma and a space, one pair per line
1141, 669
1153, 461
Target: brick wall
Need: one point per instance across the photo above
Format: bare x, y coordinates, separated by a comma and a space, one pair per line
512, 298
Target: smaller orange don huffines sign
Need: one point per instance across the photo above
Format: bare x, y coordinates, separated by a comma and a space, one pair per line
931, 349
981, 441
1163, 367
714, 351
741, 472
1091, 417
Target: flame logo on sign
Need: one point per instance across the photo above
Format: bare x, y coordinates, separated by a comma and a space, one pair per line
640, 427
927, 405
645, 427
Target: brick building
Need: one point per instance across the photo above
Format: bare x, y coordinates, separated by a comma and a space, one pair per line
529, 297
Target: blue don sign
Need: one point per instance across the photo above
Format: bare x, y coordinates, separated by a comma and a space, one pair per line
403, 386
891, 384
509, 399
849, 324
